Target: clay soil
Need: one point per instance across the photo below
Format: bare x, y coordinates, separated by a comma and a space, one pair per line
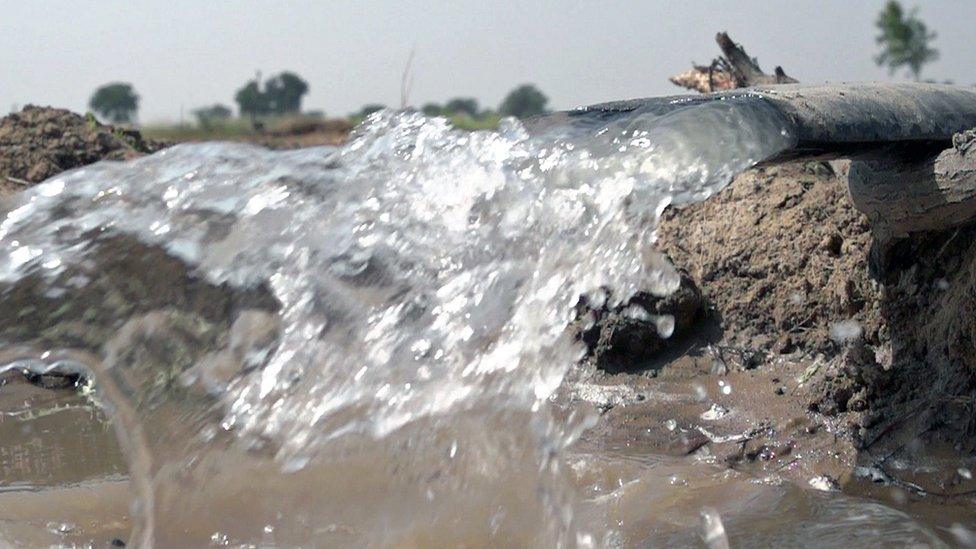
820, 357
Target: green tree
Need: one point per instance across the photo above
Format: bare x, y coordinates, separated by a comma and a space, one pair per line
116, 102
284, 93
212, 115
281, 94
251, 100
905, 40
523, 102
462, 105
432, 109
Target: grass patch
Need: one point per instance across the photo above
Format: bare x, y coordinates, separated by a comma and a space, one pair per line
224, 130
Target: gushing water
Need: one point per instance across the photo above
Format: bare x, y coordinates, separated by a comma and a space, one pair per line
358, 345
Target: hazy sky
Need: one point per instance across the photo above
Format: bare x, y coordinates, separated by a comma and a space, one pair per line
184, 54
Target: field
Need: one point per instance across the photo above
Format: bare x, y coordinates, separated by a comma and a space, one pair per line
287, 131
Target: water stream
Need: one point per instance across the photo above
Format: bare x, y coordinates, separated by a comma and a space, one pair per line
361, 345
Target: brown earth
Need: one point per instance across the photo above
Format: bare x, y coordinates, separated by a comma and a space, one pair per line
775, 260
303, 132
285, 133
784, 262
781, 256
40, 142
839, 360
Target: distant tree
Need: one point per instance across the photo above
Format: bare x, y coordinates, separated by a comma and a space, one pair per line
432, 109
281, 94
284, 93
209, 116
523, 102
370, 109
905, 40
462, 105
116, 102
251, 101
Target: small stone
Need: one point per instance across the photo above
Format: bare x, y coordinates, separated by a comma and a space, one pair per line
845, 331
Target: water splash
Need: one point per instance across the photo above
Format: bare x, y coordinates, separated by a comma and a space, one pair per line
394, 387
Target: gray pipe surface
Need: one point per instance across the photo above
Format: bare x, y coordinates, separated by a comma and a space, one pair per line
907, 176
833, 120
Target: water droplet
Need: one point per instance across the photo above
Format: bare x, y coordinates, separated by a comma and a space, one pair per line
51, 188
713, 531
717, 411
845, 331
61, 528
636, 312
965, 536
676, 480
824, 484
664, 325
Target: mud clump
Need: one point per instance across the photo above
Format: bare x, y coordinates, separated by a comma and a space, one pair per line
778, 266
781, 255
778, 261
626, 337
782, 259
41, 142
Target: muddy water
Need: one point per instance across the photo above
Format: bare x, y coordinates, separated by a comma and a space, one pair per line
63, 478
64, 482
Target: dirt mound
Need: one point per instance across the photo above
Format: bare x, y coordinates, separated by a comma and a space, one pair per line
782, 260
778, 260
781, 257
40, 142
